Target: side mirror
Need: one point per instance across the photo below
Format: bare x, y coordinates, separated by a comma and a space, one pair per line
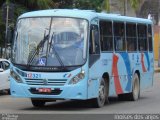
1, 70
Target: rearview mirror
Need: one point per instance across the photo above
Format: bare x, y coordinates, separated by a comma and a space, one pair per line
1, 70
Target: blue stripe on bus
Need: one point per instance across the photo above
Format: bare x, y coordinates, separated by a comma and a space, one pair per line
128, 67
147, 56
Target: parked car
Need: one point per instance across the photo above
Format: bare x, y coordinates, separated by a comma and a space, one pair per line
4, 74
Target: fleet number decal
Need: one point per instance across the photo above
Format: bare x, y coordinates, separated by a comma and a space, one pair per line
32, 75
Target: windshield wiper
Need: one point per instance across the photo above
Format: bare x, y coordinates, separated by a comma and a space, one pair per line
55, 52
39, 46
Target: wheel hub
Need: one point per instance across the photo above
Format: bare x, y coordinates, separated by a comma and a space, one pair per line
101, 93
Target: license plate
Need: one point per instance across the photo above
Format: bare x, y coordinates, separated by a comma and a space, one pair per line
44, 90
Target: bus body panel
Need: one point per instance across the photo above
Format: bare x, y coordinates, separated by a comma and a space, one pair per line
121, 67
147, 70
68, 91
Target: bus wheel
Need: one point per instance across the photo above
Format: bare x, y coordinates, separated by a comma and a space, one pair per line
37, 103
102, 97
134, 95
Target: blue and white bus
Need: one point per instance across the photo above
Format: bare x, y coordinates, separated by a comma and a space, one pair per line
81, 55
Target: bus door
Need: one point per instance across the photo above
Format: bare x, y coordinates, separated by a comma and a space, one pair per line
94, 55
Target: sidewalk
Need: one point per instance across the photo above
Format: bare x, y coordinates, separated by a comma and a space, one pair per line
156, 68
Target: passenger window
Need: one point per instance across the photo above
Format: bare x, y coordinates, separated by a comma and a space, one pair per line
131, 37
106, 36
142, 37
119, 36
150, 37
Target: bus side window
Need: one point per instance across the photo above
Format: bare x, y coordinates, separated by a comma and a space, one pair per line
94, 40
131, 37
149, 35
119, 39
142, 37
106, 35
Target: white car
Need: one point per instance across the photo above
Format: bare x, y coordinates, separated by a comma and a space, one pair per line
4, 74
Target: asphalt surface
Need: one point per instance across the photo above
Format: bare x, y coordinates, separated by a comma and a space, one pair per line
148, 103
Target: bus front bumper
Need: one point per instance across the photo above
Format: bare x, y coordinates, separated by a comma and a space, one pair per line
77, 91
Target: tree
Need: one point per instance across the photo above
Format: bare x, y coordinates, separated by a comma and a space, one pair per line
134, 4
22, 6
106, 6
63, 3
89, 4
35, 4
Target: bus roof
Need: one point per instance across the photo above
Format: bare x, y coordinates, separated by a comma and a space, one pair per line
117, 17
86, 14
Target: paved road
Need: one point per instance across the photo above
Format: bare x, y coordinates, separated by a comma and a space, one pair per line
148, 103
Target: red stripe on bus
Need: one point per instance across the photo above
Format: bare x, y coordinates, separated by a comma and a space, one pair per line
142, 61
116, 75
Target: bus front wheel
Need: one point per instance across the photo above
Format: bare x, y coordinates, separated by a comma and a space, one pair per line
37, 103
102, 96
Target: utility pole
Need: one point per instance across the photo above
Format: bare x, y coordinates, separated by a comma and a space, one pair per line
107, 6
6, 30
7, 16
125, 7
73, 4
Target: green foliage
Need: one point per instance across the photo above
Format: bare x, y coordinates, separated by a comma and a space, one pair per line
106, 6
44, 4
19, 9
63, 4
21, 6
89, 4
38, 4
135, 4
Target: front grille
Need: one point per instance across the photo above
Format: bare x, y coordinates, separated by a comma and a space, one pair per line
53, 82
53, 92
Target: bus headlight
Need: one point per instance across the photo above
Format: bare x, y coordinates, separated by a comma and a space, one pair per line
77, 78
14, 75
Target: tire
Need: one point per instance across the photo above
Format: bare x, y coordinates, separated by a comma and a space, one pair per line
5, 92
135, 94
102, 96
38, 103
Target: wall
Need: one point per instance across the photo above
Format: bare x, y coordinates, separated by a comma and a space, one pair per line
156, 41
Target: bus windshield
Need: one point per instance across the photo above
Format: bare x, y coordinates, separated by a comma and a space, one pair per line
50, 41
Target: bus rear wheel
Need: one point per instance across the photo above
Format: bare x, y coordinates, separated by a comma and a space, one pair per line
37, 103
135, 94
102, 96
